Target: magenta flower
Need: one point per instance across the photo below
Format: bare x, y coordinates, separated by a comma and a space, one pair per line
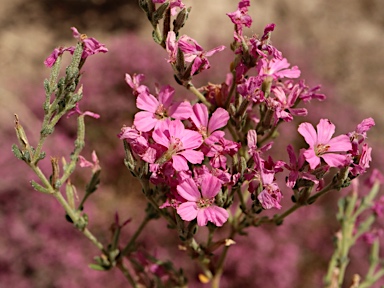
240, 17
295, 167
156, 110
171, 47
134, 82
51, 59
193, 52
364, 159
360, 134
94, 164
284, 108
277, 68
180, 144
201, 204
253, 149
77, 110
139, 143
208, 128
322, 146
91, 45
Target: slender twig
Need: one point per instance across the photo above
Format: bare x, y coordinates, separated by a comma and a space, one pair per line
131, 242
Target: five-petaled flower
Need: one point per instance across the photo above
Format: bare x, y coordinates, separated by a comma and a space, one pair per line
201, 204
332, 151
179, 143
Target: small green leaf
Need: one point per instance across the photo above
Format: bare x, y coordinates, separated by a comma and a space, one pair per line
97, 267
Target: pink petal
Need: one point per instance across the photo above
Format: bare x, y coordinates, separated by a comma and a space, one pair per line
179, 163
341, 143
292, 177
187, 211
194, 157
202, 217
325, 130
214, 137
188, 190
160, 138
218, 120
199, 116
308, 132
144, 121
147, 102
176, 129
197, 63
191, 139
280, 95
180, 110
166, 95
311, 158
292, 155
277, 65
217, 215
365, 125
252, 139
335, 160
294, 72
210, 186
267, 201
214, 50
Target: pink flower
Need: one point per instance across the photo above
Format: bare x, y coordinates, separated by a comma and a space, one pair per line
240, 17
51, 59
250, 89
285, 110
78, 111
180, 144
156, 110
139, 143
322, 146
295, 167
171, 47
262, 47
201, 204
193, 52
91, 45
277, 68
208, 128
252, 144
218, 151
360, 134
364, 159
134, 83
85, 163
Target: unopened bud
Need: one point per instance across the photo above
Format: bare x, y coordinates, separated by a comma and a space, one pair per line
180, 20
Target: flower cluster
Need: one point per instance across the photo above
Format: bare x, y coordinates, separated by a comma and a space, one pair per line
173, 135
188, 150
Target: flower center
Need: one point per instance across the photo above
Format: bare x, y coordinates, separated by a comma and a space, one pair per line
321, 149
161, 112
175, 146
203, 131
204, 202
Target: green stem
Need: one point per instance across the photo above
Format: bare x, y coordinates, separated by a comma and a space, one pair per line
215, 282
233, 86
200, 96
126, 273
131, 242
281, 217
